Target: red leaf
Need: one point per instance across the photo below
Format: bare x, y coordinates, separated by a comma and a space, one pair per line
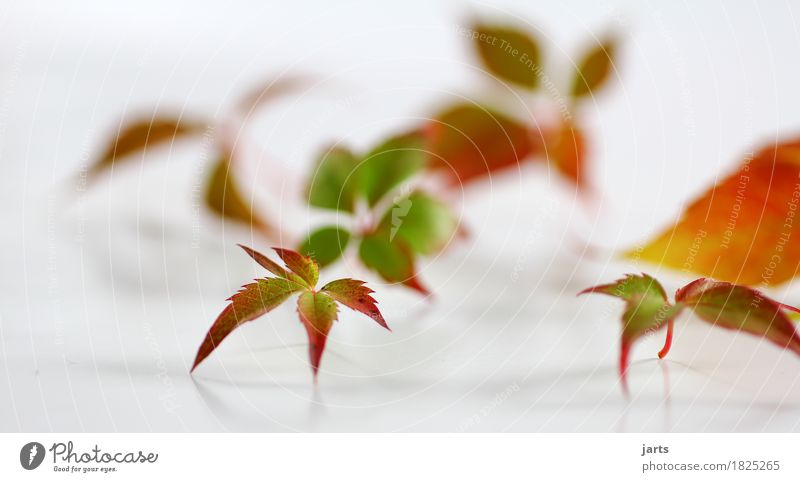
252, 301
272, 266
317, 313
353, 294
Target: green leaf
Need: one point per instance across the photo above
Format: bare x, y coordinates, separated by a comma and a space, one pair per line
272, 266
391, 163
392, 260
425, 224
355, 295
317, 313
252, 301
326, 244
509, 53
594, 69
737, 307
224, 198
303, 266
334, 182
646, 310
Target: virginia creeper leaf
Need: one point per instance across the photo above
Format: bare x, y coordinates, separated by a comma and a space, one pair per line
303, 266
326, 244
141, 134
744, 230
252, 301
467, 142
355, 295
646, 310
740, 308
334, 182
393, 260
425, 224
509, 53
317, 309
594, 69
224, 198
391, 163
317, 313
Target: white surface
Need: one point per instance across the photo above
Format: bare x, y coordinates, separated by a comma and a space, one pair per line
105, 299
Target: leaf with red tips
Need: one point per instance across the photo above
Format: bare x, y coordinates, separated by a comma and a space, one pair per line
565, 149
272, 266
646, 309
353, 294
467, 142
744, 229
252, 301
141, 134
317, 313
303, 266
740, 308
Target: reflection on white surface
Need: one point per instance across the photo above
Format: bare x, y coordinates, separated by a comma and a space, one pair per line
106, 298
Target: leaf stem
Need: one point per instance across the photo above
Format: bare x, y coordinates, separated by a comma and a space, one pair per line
668, 341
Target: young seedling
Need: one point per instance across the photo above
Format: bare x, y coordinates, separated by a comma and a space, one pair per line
318, 309
722, 304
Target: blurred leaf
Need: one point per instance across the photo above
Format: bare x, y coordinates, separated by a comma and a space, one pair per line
334, 182
392, 260
252, 301
391, 163
467, 142
326, 244
355, 295
317, 313
139, 135
740, 308
302, 266
739, 230
646, 311
224, 199
594, 69
269, 90
565, 149
317, 309
425, 224
511, 54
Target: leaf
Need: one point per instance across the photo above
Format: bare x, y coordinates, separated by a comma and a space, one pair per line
224, 199
272, 266
745, 229
303, 266
270, 90
139, 135
317, 313
392, 260
422, 222
565, 149
467, 142
646, 310
740, 308
594, 69
334, 182
388, 165
325, 245
508, 53
355, 295
252, 301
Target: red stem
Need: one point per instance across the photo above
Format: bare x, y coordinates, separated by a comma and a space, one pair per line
623, 366
668, 341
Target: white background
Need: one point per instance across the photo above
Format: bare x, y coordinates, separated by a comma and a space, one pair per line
106, 296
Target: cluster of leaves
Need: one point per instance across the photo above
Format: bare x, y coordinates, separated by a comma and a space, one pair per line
317, 309
723, 304
468, 142
390, 227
